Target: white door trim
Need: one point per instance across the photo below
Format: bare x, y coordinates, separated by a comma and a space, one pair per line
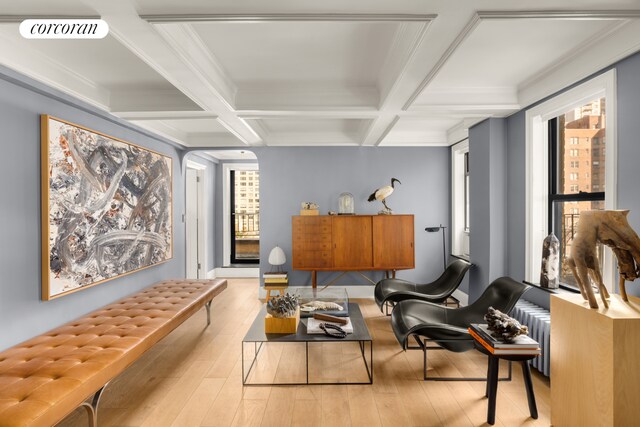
226, 206
201, 218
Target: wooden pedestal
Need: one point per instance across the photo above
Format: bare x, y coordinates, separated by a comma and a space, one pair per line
284, 325
595, 362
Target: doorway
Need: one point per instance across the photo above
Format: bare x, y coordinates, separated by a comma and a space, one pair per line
195, 221
244, 204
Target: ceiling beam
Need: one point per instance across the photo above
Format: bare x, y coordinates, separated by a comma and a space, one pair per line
284, 17
16, 19
164, 115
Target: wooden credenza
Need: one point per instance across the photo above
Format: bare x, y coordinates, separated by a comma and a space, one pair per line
352, 243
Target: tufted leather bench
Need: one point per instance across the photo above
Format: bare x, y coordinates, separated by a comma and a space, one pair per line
47, 377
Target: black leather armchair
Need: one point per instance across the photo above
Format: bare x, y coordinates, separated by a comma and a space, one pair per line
447, 327
392, 291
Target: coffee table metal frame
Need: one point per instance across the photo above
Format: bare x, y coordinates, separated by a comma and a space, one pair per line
258, 338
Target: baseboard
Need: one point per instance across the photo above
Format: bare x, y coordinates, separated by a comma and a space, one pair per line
462, 297
359, 292
231, 272
211, 274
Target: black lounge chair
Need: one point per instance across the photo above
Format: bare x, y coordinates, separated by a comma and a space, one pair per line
392, 291
447, 327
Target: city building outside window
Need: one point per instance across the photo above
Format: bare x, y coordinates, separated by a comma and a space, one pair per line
567, 198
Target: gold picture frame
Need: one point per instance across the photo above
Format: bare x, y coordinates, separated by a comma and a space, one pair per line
107, 207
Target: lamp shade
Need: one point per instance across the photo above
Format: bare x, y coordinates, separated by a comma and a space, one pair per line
277, 256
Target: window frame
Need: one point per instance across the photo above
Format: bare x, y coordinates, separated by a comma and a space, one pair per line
459, 232
537, 165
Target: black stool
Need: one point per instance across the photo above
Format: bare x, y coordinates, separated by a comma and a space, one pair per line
492, 380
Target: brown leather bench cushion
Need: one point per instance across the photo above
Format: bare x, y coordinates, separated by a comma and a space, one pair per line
45, 378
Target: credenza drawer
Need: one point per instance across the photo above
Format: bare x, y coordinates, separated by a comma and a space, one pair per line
311, 229
312, 246
319, 259
312, 238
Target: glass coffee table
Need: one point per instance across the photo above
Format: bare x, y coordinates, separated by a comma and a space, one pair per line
315, 352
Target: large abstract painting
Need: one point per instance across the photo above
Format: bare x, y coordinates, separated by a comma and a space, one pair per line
106, 207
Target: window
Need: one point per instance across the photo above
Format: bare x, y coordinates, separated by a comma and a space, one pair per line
574, 140
554, 199
563, 220
460, 190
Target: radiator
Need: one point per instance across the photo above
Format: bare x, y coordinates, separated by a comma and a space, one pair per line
538, 320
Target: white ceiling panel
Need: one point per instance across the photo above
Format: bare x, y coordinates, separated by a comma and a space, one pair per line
506, 53
300, 52
103, 61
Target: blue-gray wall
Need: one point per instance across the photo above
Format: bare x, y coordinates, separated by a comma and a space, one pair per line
487, 239
22, 312
292, 175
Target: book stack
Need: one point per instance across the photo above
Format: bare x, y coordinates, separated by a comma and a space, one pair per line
276, 279
521, 346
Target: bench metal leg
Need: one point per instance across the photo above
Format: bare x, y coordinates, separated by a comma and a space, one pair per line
208, 307
92, 406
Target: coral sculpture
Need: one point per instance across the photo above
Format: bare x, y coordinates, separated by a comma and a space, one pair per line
504, 327
283, 306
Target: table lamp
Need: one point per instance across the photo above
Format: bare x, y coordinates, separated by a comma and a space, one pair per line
277, 258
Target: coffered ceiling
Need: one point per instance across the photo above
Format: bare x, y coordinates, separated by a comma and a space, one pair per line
364, 72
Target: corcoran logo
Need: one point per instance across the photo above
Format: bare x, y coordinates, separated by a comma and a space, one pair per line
64, 29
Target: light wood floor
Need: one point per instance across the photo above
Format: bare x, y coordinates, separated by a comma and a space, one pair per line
193, 378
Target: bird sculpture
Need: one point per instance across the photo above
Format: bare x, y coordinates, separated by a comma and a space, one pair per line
382, 193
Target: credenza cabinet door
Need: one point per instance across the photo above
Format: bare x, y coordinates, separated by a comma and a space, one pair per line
312, 242
393, 242
352, 242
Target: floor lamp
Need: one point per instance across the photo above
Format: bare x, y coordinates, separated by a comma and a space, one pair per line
444, 247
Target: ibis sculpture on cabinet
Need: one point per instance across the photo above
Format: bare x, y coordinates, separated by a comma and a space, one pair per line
382, 193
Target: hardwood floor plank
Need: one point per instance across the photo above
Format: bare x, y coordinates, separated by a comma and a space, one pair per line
306, 413
335, 406
177, 397
279, 411
362, 406
198, 405
225, 406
